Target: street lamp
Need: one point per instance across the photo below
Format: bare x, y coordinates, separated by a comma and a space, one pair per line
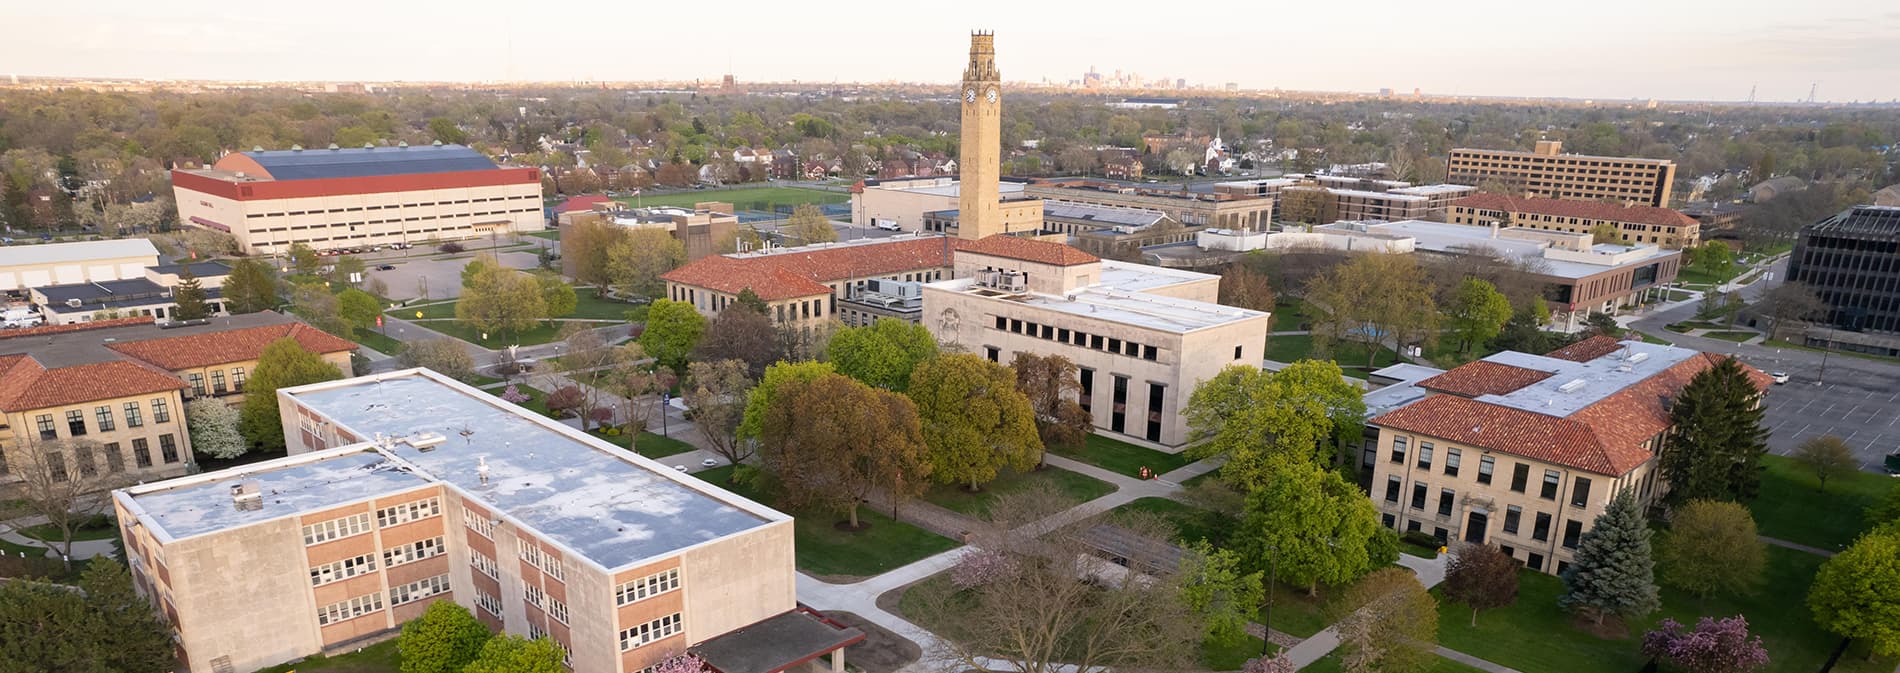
1266, 615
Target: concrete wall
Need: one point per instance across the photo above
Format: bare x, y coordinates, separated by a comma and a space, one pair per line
22, 276
245, 594
906, 207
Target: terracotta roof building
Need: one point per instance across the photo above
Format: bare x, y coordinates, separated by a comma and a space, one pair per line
1523, 451
1640, 224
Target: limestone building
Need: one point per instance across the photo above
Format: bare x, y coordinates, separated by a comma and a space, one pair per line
1549, 173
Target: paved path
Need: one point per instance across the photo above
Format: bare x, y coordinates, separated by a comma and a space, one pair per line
82, 549
1429, 571
1817, 551
1474, 662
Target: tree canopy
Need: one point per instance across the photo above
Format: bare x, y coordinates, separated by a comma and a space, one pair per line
498, 299
1856, 594
1482, 577
250, 287
103, 626
833, 440
1053, 384
765, 395
443, 640
284, 363
881, 354
1477, 313
975, 421
672, 331
1612, 573
1311, 523
1716, 439
1251, 416
637, 258
1711, 548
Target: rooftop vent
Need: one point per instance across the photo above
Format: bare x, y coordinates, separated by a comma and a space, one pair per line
481, 468
426, 441
404, 143
437, 143
369, 146
1639, 357
247, 495
257, 148
1572, 386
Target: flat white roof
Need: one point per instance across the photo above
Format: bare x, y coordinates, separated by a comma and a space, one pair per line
1574, 385
1456, 238
952, 189
189, 506
78, 251
1118, 305
1130, 277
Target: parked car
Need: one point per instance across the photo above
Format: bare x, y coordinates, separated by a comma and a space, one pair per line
1780, 377
385, 267
1893, 464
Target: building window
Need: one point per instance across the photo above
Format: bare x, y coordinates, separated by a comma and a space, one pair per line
1393, 484
341, 527
992, 353
1237, 351
1580, 493
1551, 480
1418, 495
344, 569
160, 412
649, 632
1118, 418
1425, 455
1573, 529
557, 610
414, 551
102, 416
1513, 515
479, 523
168, 448
132, 418
1541, 531
217, 382
47, 431
1156, 394
88, 467
115, 463
1398, 449
350, 609
1452, 457
647, 587
237, 379
141, 453
1445, 499
535, 596
75, 423
1088, 390
1485, 465
540, 558
56, 466
408, 511
488, 601
197, 382
1520, 477
419, 589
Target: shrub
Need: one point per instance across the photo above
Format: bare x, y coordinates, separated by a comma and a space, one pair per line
1421, 539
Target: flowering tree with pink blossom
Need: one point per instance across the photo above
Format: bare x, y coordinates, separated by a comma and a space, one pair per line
1278, 663
513, 396
1713, 646
680, 663
978, 567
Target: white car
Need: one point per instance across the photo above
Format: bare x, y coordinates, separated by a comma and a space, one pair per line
1779, 377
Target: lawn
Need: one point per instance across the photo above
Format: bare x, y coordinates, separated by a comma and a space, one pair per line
379, 658
1737, 336
17, 549
1220, 657
1697, 276
1793, 508
377, 341
1330, 664
1190, 523
1288, 314
646, 444
589, 305
551, 234
1077, 488
540, 334
1535, 636
537, 399
1296, 613
1646, 338
822, 549
1124, 458
742, 198
47, 531
1350, 356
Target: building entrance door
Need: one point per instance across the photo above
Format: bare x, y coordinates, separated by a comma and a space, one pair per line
1474, 527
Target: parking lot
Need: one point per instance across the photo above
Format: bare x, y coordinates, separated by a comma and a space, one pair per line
1858, 401
439, 278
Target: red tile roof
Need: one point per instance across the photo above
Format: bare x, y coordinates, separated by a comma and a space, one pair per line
1605, 438
1595, 210
75, 327
1483, 378
203, 350
1588, 349
581, 203
1030, 250
25, 385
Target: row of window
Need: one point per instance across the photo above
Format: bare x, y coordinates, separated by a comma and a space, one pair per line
649, 632
1520, 472
408, 511
87, 458
338, 528
285, 241
350, 609
488, 601
540, 558
647, 587
483, 564
415, 218
419, 589
102, 419
218, 387
344, 569
479, 523
428, 204
414, 551
1079, 338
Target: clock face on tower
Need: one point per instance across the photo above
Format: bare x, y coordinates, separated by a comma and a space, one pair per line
969, 95
992, 95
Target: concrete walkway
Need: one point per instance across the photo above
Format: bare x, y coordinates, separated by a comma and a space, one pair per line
82, 549
1430, 572
1817, 551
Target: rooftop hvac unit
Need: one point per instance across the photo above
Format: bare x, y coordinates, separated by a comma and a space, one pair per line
75, 303
248, 495
1014, 281
1572, 386
989, 278
426, 441
1639, 357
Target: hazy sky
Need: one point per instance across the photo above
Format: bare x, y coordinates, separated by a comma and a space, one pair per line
1669, 49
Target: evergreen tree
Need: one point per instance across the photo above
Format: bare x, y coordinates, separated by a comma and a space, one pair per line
1612, 572
1716, 439
190, 296
251, 287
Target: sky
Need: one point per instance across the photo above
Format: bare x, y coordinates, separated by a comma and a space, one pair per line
1603, 49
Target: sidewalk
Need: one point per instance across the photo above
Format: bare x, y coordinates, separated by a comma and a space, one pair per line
82, 549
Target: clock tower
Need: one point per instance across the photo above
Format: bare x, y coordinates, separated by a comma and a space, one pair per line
979, 209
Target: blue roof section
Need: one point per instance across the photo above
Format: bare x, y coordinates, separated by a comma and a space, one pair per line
364, 162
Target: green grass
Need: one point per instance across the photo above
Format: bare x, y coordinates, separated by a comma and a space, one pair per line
1190, 523
1351, 356
1778, 343
379, 658
537, 398
647, 444
588, 305
742, 198
1124, 458
16, 549
1288, 313
49, 532
1737, 336
1420, 551
1076, 488
377, 341
551, 234
1535, 636
1697, 276
1649, 339
540, 334
1225, 657
1792, 507
1330, 664
822, 549
1296, 613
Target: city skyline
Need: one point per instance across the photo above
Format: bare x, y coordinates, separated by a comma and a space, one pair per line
1486, 48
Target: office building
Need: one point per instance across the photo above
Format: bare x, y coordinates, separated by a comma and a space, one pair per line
1638, 224
1524, 451
900, 204
1549, 173
1344, 197
409, 487
1191, 209
807, 286
358, 197
1852, 261
30, 266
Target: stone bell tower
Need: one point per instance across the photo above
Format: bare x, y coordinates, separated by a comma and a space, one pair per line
980, 164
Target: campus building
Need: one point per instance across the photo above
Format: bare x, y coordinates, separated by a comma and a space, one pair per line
1638, 224
30, 266
1549, 173
1852, 261
701, 230
358, 197
1524, 451
1143, 336
148, 295
1354, 198
1192, 209
807, 286
406, 488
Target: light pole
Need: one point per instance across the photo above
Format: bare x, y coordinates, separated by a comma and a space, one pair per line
1826, 346
1266, 615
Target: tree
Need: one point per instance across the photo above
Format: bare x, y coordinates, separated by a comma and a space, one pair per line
443, 640
1477, 313
1713, 646
251, 287
1242, 286
1373, 299
61, 480
345, 269
1053, 384
1214, 587
1280, 662
882, 354
556, 294
445, 130
1716, 440
318, 306
1887, 511
499, 299
1713, 258
1856, 594
809, 225
1604, 324
1481, 576
751, 299
593, 364
509, 653
102, 626
832, 441
1252, 416
764, 395
974, 420
283, 363
1388, 624
565, 400
1606, 232
715, 394
1826, 456
303, 260
358, 308
1611, 572
475, 266
1711, 548
1308, 206
673, 330
447, 356
740, 333
1790, 302
214, 429
190, 296
1310, 523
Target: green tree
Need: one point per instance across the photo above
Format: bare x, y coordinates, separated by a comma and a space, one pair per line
284, 363
474, 268
881, 354
764, 395
1374, 300
304, 260
1716, 440
1310, 523
1856, 594
1612, 572
445, 130
751, 299
1477, 313
975, 420
447, 356
715, 391
1887, 511
637, 259
190, 296
135, 638
251, 287
833, 441
318, 306
1713, 258
509, 653
1252, 416
1606, 232
105, 626
501, 299
358, 308
1826, 456
559, 297
443, 640
1388, 623
673, 329
1215, 587
1711, 548
808, 225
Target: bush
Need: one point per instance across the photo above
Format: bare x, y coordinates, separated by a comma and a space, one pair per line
1421, 539
451, 247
